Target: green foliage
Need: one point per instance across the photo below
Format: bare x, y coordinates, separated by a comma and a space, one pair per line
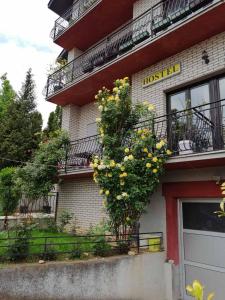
20, 126
51, 226
9, 197
54, 122
123, 247
64, 219
101, 247
77, 252
7, 94
35, 180
132, 162
19, 249
49, 254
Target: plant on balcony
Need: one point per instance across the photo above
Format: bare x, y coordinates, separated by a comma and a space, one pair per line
132, 161
58, 77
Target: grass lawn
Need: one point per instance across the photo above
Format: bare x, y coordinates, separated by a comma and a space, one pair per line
58, 242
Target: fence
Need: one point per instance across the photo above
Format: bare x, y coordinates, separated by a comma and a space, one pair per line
198, 129
49, 247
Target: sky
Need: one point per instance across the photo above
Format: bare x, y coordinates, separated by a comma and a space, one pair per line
25, 42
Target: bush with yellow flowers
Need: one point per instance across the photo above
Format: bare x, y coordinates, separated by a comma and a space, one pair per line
133, 157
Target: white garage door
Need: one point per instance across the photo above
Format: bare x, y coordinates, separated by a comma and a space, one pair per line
202, 246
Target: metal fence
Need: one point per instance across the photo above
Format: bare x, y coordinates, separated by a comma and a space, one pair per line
195, 130
74, 13
47, 205
49, 247
144, 27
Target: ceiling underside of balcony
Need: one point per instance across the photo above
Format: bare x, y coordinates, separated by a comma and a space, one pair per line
103, 19
171, 42
59, 6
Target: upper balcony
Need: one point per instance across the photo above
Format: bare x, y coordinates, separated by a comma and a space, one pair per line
196, 137
88, 21
166, 29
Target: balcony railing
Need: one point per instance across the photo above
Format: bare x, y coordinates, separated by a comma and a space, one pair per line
73, 14
145, 27
195, 130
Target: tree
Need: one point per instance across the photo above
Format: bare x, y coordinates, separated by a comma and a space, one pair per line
7, 94
132, 160
54, 122
20, 126
9, 197
37, 178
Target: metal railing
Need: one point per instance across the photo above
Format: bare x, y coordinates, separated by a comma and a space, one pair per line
144, 27
46, 205
74, 13
50, 247
198, 129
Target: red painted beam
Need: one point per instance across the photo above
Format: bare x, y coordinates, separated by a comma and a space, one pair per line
174, 191
103, 19
202, 27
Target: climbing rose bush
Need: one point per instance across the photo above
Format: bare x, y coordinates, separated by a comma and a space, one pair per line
129, 170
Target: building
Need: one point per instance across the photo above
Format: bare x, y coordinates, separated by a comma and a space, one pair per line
174, 53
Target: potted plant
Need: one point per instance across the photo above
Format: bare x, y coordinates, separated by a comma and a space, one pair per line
197, 4
159, 25
140, 35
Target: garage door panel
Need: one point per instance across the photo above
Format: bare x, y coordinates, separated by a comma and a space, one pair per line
204, 249
214, 281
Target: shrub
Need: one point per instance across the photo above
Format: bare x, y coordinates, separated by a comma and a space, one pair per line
49, 254
64, 219
101, 247
122, 247
77, 252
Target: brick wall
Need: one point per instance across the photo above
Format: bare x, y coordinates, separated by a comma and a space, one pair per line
81, 197
193, 70
142, 5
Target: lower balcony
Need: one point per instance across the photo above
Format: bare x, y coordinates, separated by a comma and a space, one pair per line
196, 137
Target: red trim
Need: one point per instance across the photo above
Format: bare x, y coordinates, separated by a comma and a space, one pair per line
172, 192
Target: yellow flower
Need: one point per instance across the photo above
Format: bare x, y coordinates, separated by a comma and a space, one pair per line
112, 163
159, 146
126, 158
148, 165
110, 175
149, 155
127, 219
122, 183
96, 97
104, 202
168, 152
155, 159
119, 197
145, 150
130, 157
91, 165
124, 174
95, 165
126, 78
127, 150
100, 108
223, 184
122, 168
101, 192
107, 192
151, 107
100, 91
143, 137
118, 165
154, 170
117, 98
98, 120
95, 160
124, 194
115, 90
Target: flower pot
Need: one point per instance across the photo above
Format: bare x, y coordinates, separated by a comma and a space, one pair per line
46, 209
161, 25
154, 244
141, 36
197, 4
180, 14
23, 209
185, 147
57, 87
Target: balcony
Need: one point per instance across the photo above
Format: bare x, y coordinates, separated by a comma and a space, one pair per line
74, 28
139, 44
196, 136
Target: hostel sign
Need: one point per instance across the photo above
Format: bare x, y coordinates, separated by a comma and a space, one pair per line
161, 75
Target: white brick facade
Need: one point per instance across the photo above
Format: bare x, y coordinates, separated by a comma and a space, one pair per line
81, 197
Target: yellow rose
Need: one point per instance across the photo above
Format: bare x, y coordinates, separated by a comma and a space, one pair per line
101, 192
130, 157
98, 120
96, 97
119, 197
155, 159
145, 150
159, 146
122, 183
127, 150
168, 152
149, 155
104, 202
151, 107
95, 165
122, 168
148, 165
110, 175
127, 219
100, 108
154, 170
112, 163
107, 192
124, 174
